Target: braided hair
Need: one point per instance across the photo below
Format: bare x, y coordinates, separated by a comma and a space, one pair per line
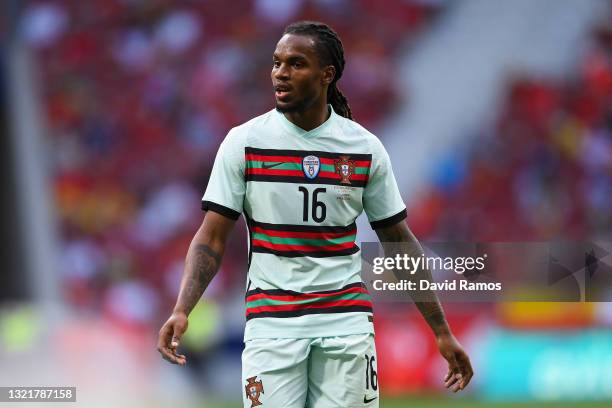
330, 52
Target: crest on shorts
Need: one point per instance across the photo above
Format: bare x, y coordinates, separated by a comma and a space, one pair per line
345, 168
311, 166
253, 391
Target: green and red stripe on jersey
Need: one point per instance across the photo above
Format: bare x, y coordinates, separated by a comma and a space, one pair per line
302, 240
285, 303
285, 166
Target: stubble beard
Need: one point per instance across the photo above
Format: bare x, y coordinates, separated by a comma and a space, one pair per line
298, 106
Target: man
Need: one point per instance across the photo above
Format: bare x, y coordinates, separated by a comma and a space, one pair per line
301, 174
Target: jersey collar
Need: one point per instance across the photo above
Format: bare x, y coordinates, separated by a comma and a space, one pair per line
293, 128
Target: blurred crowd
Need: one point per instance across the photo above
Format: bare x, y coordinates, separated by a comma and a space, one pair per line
139, 94
542, 171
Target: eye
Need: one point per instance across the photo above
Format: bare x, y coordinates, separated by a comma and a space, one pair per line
297, 64
275, 63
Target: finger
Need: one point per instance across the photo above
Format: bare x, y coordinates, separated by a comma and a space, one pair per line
172, 357
452, 380
162, 342
168, 342
456, 384
467, 377
456, 387
453, 368
466, 370
181, 359
464, 383
166, 351
179, 330
168, 355
165, 334
174, 343
176, 340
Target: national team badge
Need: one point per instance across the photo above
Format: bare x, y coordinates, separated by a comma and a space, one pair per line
311, 166
253, 391
345, 168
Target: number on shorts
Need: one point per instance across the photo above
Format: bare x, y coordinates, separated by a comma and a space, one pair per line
371, 376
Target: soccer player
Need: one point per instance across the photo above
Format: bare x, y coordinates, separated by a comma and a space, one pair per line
301, 174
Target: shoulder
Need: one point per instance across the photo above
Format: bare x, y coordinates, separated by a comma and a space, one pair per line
360, 135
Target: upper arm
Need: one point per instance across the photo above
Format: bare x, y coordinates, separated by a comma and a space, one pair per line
398, 232
227, 187
382, 201
215, 230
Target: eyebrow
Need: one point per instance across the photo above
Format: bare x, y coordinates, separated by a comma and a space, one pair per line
292, 57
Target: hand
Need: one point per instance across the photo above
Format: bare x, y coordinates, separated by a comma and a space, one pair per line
459, 367
169, 337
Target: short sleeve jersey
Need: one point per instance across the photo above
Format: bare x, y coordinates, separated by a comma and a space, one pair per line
300, 193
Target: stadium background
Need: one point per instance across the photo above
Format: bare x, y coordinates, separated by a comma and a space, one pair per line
497, 116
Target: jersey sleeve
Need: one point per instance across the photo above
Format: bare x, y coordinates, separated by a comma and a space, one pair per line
226, 186
382, 201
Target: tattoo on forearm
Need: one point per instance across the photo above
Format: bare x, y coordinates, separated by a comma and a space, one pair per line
433, 314
201, 267
425, 300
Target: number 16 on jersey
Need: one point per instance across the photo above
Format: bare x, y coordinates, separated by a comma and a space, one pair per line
313, 207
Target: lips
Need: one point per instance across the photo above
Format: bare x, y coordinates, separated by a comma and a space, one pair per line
282, 91
282, 88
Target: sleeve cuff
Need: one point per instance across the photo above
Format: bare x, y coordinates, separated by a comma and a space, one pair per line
220, 209
389, 221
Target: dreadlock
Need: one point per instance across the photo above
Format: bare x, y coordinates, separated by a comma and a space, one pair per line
330, 52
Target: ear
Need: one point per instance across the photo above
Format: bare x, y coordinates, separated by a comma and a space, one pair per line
329, 73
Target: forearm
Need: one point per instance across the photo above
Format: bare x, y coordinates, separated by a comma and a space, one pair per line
426, 301
432, 312
201, 265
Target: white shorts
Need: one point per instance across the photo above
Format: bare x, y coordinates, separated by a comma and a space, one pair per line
326, 372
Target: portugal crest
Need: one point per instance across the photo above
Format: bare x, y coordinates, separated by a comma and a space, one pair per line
311, 166
345, 168
253, 391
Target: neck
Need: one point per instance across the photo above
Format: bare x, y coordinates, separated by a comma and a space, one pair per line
310, 118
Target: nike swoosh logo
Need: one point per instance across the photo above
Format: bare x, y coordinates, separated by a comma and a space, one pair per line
270, 165
367, 401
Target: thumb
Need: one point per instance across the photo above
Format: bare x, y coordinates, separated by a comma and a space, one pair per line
175, 342
178, 331
176, 338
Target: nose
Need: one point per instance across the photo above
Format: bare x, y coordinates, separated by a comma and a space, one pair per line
281, 72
